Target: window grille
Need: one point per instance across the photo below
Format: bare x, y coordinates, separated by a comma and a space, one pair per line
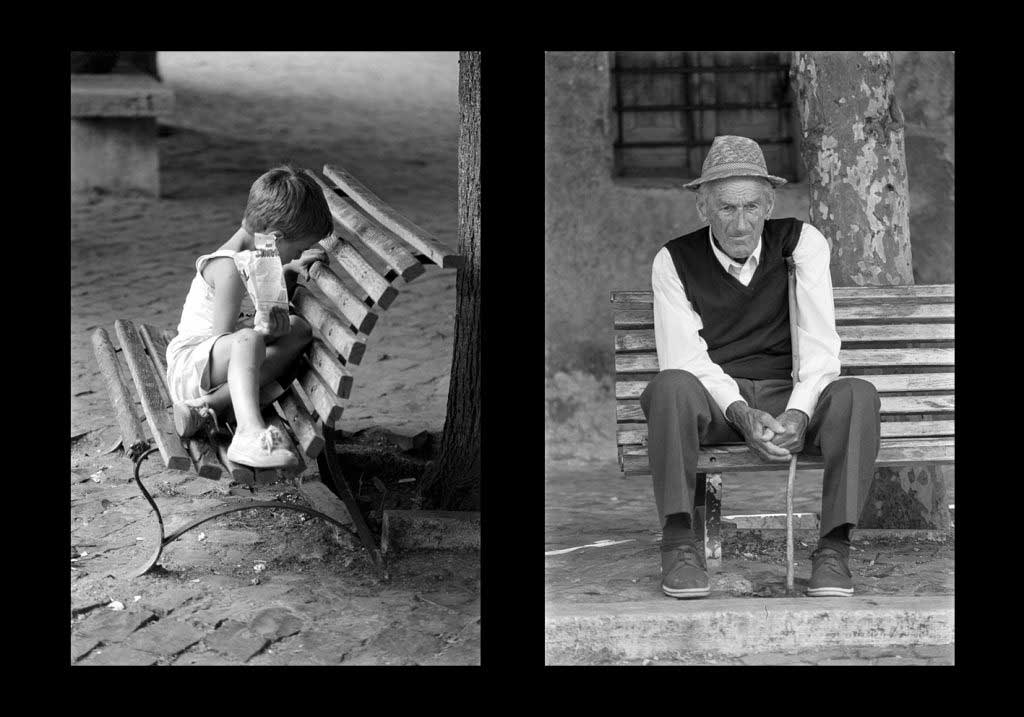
669, 106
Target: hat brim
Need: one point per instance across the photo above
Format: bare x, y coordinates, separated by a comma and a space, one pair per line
772, 179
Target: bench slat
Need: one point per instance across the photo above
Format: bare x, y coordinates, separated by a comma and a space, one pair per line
894, 452
351, 307
379, 240
630, 411
637, 436
644, 339
848, 358
888, 313
120, 397
160, 424
379, 290
336, 376
324, 401
936, 293
417, 237
895, 383
346, 343
302, 424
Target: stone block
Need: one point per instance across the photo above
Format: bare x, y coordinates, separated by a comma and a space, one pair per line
113, 627
167, 637
119, 655
119, 95
81, 645
275, 623
430, 530
233, 639
167, 602
116, 155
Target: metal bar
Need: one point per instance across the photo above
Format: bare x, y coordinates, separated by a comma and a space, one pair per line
697, 143
688, 107
690, 70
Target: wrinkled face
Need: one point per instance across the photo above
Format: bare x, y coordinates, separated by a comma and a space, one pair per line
736, 209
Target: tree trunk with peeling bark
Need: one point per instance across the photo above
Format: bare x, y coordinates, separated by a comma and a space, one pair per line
852, 132
853, 151
453, 483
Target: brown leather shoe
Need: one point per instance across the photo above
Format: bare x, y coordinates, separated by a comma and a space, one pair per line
683, 572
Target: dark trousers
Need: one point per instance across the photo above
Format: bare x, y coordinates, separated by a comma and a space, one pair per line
844, 430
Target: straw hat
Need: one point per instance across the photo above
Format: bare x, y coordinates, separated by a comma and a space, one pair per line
732, 156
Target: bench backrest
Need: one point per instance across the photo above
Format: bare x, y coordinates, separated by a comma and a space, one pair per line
900, 338
374, 246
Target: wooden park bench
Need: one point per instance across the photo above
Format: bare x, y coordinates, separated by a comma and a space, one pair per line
114, 133
900, 338
338, 306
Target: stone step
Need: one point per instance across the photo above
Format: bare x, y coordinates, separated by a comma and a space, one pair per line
676, 630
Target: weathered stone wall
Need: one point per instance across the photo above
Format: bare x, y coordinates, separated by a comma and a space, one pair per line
601, 234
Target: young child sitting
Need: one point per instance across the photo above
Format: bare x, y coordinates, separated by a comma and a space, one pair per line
217, 361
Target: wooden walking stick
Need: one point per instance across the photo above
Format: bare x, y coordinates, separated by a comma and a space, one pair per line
792, 461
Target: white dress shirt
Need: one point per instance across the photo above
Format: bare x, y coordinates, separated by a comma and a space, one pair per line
680, 346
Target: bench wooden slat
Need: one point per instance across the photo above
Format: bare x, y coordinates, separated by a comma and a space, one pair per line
302, 423
883, 383
894, 452
351, 307
637, 436
324, 401
157, 351
630, 411
644, 339
379, 240
379, 290
120, 398
848, 358
160, 424
888, 313
936, 293
346, 343
238, 472
336, 376
420, 239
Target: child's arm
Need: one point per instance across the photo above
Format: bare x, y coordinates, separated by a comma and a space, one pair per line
301, 266
228, 292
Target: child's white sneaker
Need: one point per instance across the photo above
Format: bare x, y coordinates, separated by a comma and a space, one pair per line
261, 449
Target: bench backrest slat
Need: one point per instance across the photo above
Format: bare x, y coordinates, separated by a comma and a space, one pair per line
343, 254
350, 347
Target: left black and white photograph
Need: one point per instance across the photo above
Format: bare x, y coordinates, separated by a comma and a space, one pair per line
275, 358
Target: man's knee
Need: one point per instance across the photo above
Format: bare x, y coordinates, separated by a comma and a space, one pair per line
851, 391
672, 382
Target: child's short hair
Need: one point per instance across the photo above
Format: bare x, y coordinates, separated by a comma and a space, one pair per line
289, 201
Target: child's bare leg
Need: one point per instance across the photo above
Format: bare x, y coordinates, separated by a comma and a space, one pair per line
277, 358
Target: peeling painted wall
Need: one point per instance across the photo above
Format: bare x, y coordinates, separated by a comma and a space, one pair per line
601, 234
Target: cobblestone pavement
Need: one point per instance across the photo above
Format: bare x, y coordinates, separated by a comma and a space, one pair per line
265, 587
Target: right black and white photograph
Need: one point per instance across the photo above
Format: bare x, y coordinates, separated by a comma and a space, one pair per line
749, 358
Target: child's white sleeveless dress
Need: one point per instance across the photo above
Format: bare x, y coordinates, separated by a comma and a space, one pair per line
188, 354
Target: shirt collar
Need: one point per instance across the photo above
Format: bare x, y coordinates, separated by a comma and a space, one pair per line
726, 261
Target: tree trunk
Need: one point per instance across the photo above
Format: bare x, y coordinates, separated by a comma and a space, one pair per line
852, 130
454, 481
853, 151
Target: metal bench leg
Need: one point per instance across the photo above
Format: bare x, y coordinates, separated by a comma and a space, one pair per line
707, 518
329, 465
216, 513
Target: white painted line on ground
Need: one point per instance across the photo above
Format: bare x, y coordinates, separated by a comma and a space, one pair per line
598, 544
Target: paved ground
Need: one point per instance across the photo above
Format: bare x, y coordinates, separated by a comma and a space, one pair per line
587, 506
265, 588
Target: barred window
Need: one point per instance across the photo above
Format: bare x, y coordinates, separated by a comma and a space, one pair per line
669, 106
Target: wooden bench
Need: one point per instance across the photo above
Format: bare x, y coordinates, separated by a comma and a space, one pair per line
372, 248
114, 134
900, 338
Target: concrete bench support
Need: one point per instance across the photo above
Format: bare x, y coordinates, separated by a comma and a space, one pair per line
113, 133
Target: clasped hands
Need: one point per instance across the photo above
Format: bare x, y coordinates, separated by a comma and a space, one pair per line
773, 439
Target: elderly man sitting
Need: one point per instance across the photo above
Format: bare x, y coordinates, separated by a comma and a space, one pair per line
721, 322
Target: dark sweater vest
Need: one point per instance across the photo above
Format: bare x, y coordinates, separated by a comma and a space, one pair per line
746, 328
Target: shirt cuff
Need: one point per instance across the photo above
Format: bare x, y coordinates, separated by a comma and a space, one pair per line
804, 398
724, 399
